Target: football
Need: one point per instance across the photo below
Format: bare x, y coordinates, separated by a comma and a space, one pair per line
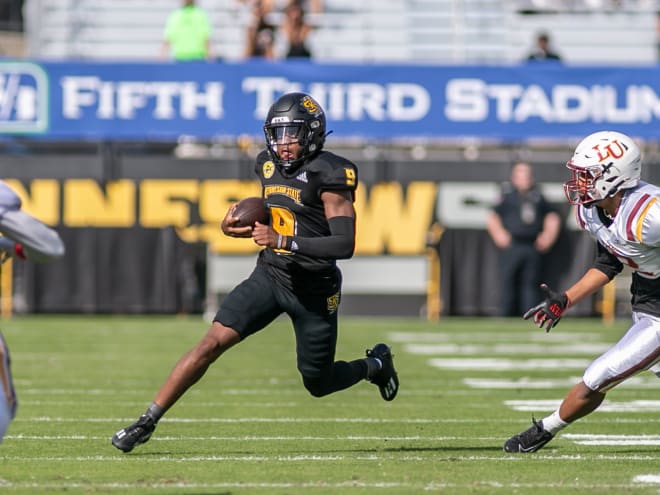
251, 210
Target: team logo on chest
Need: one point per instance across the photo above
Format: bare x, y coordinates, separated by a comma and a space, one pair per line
268, 169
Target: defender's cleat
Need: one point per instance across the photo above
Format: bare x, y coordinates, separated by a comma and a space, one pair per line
139, 432
530, 440
386, 378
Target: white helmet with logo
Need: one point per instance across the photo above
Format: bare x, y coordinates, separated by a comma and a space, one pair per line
603, 164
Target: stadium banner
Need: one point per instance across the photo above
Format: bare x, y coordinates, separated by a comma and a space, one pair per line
140, 245
161, 101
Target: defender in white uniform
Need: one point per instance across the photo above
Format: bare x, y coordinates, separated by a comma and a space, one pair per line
23, 237
622, 213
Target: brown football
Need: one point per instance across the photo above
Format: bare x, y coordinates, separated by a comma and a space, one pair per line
251, 210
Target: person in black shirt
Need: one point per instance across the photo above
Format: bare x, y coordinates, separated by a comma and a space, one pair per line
310, 194
260, 40
523, 225
296, 30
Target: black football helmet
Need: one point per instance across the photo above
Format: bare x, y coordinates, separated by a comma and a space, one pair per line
295, 117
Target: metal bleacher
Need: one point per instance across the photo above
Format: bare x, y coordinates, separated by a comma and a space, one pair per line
417, 31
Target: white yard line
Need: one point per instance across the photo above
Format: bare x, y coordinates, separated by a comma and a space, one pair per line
606, 406
649, 381
439, 420
545, 349
250, 438
554, 337
326, 458
492, 364
613, 440
310, 486
49, 419
581, 439
647, 478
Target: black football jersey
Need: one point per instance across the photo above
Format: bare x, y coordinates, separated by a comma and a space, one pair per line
295, 204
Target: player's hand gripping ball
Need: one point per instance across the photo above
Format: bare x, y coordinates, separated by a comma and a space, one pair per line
251, 210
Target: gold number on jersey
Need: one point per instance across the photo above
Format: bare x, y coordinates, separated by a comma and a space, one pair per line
350, 176
283, 222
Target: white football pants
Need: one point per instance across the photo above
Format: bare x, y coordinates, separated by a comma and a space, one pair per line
638, 350
7, 395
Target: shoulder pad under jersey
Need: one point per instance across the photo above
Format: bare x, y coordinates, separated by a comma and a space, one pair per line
643, 215
335, 171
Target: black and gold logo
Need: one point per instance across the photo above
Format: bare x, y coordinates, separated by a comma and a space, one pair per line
268, 169
333, 302
310, 105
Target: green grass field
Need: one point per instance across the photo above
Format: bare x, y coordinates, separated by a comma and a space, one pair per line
250, 427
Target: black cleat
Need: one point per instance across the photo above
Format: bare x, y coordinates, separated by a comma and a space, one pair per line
530, 440
386, 379
139, 432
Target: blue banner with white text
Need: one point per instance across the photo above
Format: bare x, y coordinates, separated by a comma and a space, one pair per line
161, 101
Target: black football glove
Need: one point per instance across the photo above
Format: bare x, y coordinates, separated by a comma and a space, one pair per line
549, 312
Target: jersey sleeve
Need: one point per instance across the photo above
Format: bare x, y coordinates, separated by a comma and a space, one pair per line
645, 227
607, 263
335, 173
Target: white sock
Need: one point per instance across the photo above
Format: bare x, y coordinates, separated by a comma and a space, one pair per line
554, 423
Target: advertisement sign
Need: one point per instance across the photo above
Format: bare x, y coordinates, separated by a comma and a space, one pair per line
161, 101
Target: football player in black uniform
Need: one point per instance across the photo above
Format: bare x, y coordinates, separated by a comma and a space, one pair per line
310, 194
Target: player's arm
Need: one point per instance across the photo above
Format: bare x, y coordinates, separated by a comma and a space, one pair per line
590, 282
340, 244
23, 235
548, 236
28, 238
606, 266
501, 237
548, 313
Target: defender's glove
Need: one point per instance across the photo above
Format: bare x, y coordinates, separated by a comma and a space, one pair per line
549, 312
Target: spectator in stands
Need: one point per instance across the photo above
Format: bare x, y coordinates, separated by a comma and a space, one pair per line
296, 30
188, 34
524, 226
543, 51
261, 33
314, 6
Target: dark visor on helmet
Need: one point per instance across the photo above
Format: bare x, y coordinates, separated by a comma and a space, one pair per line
284, 133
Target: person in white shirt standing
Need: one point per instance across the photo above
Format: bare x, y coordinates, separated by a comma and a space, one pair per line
622, 213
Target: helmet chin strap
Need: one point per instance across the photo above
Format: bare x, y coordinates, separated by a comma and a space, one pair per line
288, 167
